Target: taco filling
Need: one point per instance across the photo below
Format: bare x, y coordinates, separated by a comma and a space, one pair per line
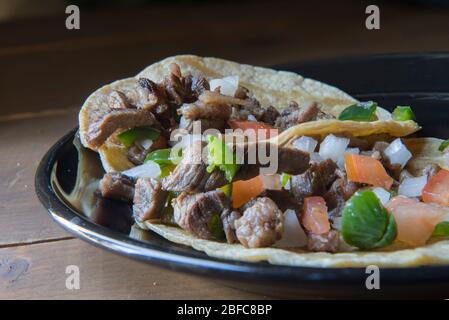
347, 177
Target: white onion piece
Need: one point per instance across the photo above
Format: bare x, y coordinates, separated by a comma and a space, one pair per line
412, 187
398, 153
146, 143
341, 160
383, 195
315, 157
149, 169
446, 158
251, 118
271, 181
228, 85
383, 114
333, 147
293, 235
305, 144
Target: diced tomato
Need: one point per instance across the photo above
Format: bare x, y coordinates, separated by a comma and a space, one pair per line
160, 143
260, 129
368, 170
415, 220
245, 190
437, 189
314, 217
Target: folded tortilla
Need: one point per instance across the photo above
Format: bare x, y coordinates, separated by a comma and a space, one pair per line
268, 86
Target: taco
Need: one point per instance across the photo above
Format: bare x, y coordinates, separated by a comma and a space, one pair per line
350, 187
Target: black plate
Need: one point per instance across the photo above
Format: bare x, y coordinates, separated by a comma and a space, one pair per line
417, 80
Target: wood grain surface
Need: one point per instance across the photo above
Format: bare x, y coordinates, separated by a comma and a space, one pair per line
47, 71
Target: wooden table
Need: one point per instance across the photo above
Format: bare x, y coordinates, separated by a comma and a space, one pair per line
47, 71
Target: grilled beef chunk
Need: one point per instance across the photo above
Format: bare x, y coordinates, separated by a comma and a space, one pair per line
340, 192
261, 224
191, 175
228, 219
194, 212
328, 242
177, 87
118, 119
202, 125
200, 110
315, 181
118, 100
252, 108
294, 115
291, 161
199, 85
283, 199
149, 199
117, 186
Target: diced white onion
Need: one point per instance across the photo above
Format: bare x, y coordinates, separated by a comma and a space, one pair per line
383, 114
398, 153
412, 187
341, 160
305, 144
251, 118
149, 169
146, 143
315, 157
383, 195
271, 181
293, 235
333, 147
228, 85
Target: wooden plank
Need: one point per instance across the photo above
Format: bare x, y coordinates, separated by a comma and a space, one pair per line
22, 218
38, 272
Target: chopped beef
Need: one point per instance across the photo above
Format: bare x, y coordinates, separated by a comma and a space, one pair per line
200, 110
202, 125
315, 181
283, 199
191, 175
340, 191
118, 100
117, 186
115, 119
137, 154
270, 115
149, 199
294, 115
291, 161
152, 96
360, 143
228, 218
177, 87
193, 212
261, 224
199, 85
430, 170
328, 242
252, 107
